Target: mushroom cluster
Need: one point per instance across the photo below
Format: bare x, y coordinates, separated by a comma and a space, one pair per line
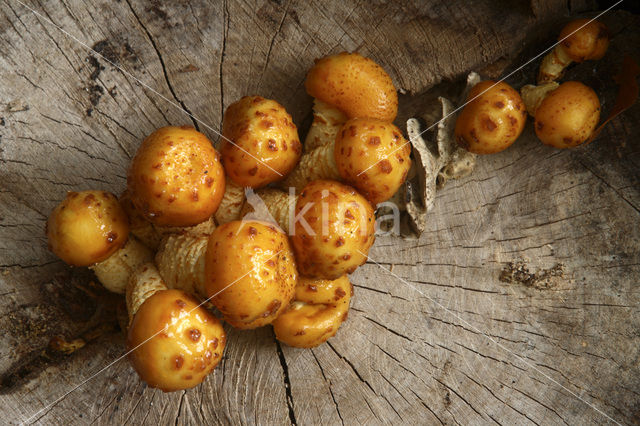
266, 231
200, 230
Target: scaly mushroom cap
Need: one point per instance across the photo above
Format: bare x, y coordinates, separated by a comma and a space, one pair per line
372, 156
176, 178
319, 308
177, 343
587, 43
354, 84
334, 232
568, 115
265, 142
87, 227
250, 268
492, 120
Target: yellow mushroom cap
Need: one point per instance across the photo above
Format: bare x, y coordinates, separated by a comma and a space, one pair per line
265, 147
175, 178
354, 84
250, 272
584, 39
568, 115
492, 120
320, 307
372, 156
87, 227
335, 230
177, 343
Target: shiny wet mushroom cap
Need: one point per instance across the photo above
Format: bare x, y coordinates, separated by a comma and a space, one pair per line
492, 119
250, 272
176, 178
373, 156
87, 227
175, 343
334, 231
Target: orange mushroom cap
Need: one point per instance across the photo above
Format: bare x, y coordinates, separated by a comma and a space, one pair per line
87, 227
175, 178
372, 156
354, 84
265, 147
587, 43
492, 120
175, 342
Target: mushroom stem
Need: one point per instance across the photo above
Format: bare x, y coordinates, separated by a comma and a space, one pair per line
553, 65
327, 121
231, 203
316, 164
114, 271
180, 261
532, 96
143, 283
272, 205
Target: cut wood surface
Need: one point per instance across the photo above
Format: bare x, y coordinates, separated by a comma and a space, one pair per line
518, 305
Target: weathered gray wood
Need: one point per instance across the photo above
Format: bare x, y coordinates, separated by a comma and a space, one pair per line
465, 348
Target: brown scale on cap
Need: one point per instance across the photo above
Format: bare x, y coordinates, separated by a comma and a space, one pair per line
87, 227
177, 343
580, 40
265, 147
175, 178
372, 156
319, 308
492, 120
565, 116
354, 84
335, 229
255, 261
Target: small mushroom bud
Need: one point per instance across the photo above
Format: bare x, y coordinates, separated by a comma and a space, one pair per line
580, 40
372, 156
90, 228
334, 229
174, 342
151, 235
565, 116
175, 178
318, 310
492, 119
265, 148
250, 272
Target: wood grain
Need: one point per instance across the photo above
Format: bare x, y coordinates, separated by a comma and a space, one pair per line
436, 339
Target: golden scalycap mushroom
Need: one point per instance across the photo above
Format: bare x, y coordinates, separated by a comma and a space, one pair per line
265, 147
319, 308
334, 229
372, 156
492, 120
584, 39
250, 268
87, 227
177, 343
175, 178
580, 40
567, 116
354, 84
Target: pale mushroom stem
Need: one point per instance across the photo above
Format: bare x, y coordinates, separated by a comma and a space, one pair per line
327, 121
114, 271
278, 204
553, 65
181, 261
316, 164
143, 283
231, 203
532, 96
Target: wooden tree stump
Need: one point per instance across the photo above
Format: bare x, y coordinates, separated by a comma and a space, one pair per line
518, 305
